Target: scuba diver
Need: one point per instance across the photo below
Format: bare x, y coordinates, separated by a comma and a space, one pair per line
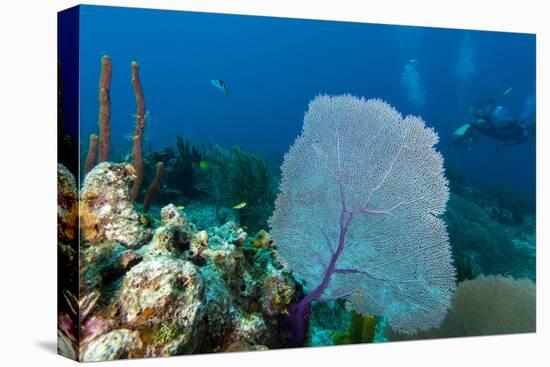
491, 120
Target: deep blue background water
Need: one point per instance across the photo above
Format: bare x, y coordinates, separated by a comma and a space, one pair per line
274, 66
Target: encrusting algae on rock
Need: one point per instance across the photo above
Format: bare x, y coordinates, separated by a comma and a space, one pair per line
165, 291
67, 204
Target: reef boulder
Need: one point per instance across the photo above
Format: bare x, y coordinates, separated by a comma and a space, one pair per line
174, 235
106, 211
165, 295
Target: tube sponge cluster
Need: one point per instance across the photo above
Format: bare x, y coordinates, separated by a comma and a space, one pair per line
153, 187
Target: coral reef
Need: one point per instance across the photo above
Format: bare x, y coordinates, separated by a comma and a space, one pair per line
234, 176
153, 187
185, 291
91, 157
360, 220
491, 305
180, 173
106, 212
137, 151
359, 247
165, 291
206, 215
214, 179
483, 245
104, 108
173, 236
67, 205
486, 305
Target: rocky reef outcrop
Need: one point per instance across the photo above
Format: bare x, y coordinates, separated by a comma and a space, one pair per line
165, 295
67, 258
163, 286
67, 204
106, 212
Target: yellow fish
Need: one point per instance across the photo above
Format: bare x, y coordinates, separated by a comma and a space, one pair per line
180, 207
240, 205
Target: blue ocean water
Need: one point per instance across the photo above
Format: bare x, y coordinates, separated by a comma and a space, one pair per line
273, 67
225, 97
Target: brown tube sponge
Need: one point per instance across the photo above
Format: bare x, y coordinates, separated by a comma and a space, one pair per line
104, 108
137, 154
91, 158
153, 187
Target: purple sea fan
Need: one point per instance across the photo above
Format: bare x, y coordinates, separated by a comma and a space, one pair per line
357, 216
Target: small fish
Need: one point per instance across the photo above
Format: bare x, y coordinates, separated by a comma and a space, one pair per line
180, 207
220, 84
240, 205
203, 165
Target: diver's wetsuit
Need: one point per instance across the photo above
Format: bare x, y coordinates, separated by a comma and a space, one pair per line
513, 131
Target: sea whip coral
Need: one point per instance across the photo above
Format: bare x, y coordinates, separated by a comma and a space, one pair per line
91, 158
104, 108
137, 153
153, 187
357, 216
